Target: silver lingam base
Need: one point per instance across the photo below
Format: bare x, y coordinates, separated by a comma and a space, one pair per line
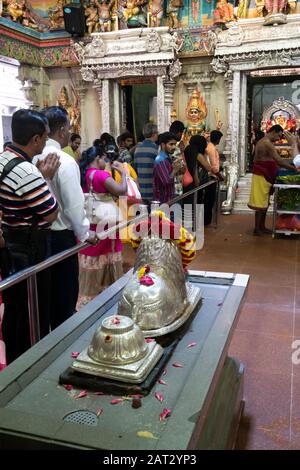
135, 372
194, 295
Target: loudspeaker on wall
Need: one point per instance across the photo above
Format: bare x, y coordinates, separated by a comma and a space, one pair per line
74, 19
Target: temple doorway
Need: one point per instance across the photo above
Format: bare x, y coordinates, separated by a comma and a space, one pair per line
139, 104
271, 100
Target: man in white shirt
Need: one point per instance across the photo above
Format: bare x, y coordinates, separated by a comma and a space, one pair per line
71, 223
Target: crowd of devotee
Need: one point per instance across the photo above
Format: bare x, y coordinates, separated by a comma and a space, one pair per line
45, 175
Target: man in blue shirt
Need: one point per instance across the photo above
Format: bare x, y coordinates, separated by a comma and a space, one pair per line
144, 156
164, 169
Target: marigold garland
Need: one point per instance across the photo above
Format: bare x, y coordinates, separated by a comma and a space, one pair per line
186, 243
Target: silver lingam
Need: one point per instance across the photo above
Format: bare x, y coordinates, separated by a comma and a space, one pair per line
164, 306
119, 351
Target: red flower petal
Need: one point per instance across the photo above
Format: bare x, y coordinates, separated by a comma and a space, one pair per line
159, 396
116, 401
192, 344
177, 364
68, 387
75, 354
165, 414
82, 394
99, 411
116, 321
162, 382
146, 281
149, 340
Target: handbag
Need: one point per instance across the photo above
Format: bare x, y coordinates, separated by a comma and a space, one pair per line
187, 178
101, 207
133, 193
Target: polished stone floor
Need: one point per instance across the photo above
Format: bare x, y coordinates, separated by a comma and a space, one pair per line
268, 325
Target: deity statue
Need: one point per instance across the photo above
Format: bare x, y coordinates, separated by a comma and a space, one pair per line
156, 11
196, 112
104, 14
223, 12
173, 12
73, 110
133, 14
92, 18
16, 9
56, 15
242, 10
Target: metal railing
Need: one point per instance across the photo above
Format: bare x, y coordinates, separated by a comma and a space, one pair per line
30, 273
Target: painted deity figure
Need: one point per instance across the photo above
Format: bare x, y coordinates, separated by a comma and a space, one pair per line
156, 10
92, 18
73, 110
224, 12
16, 9
133, 14
56, 15
173, 12
104, 14
196, 112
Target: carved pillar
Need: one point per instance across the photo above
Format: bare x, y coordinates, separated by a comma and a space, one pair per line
116, 114
105, 109
169, 87
243, 126
235, 114
80, 88
233, 80
160, 104
228, 80
206, 80
98, 88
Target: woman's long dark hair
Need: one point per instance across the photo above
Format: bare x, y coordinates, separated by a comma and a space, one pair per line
197, 145
87, 157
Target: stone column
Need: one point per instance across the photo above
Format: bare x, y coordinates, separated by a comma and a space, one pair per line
80, 88
228, 80
97, 85
105, 109
233, 80
116, 114
206, 80
243, 126
235, 114
169, 87
160, 104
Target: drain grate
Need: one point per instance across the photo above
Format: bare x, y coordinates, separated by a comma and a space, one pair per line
82, 417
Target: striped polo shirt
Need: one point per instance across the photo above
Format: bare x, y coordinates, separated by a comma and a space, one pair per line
163, 182
144, 156
24, 194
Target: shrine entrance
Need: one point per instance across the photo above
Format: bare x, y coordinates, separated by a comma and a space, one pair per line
139, 96
270, 101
